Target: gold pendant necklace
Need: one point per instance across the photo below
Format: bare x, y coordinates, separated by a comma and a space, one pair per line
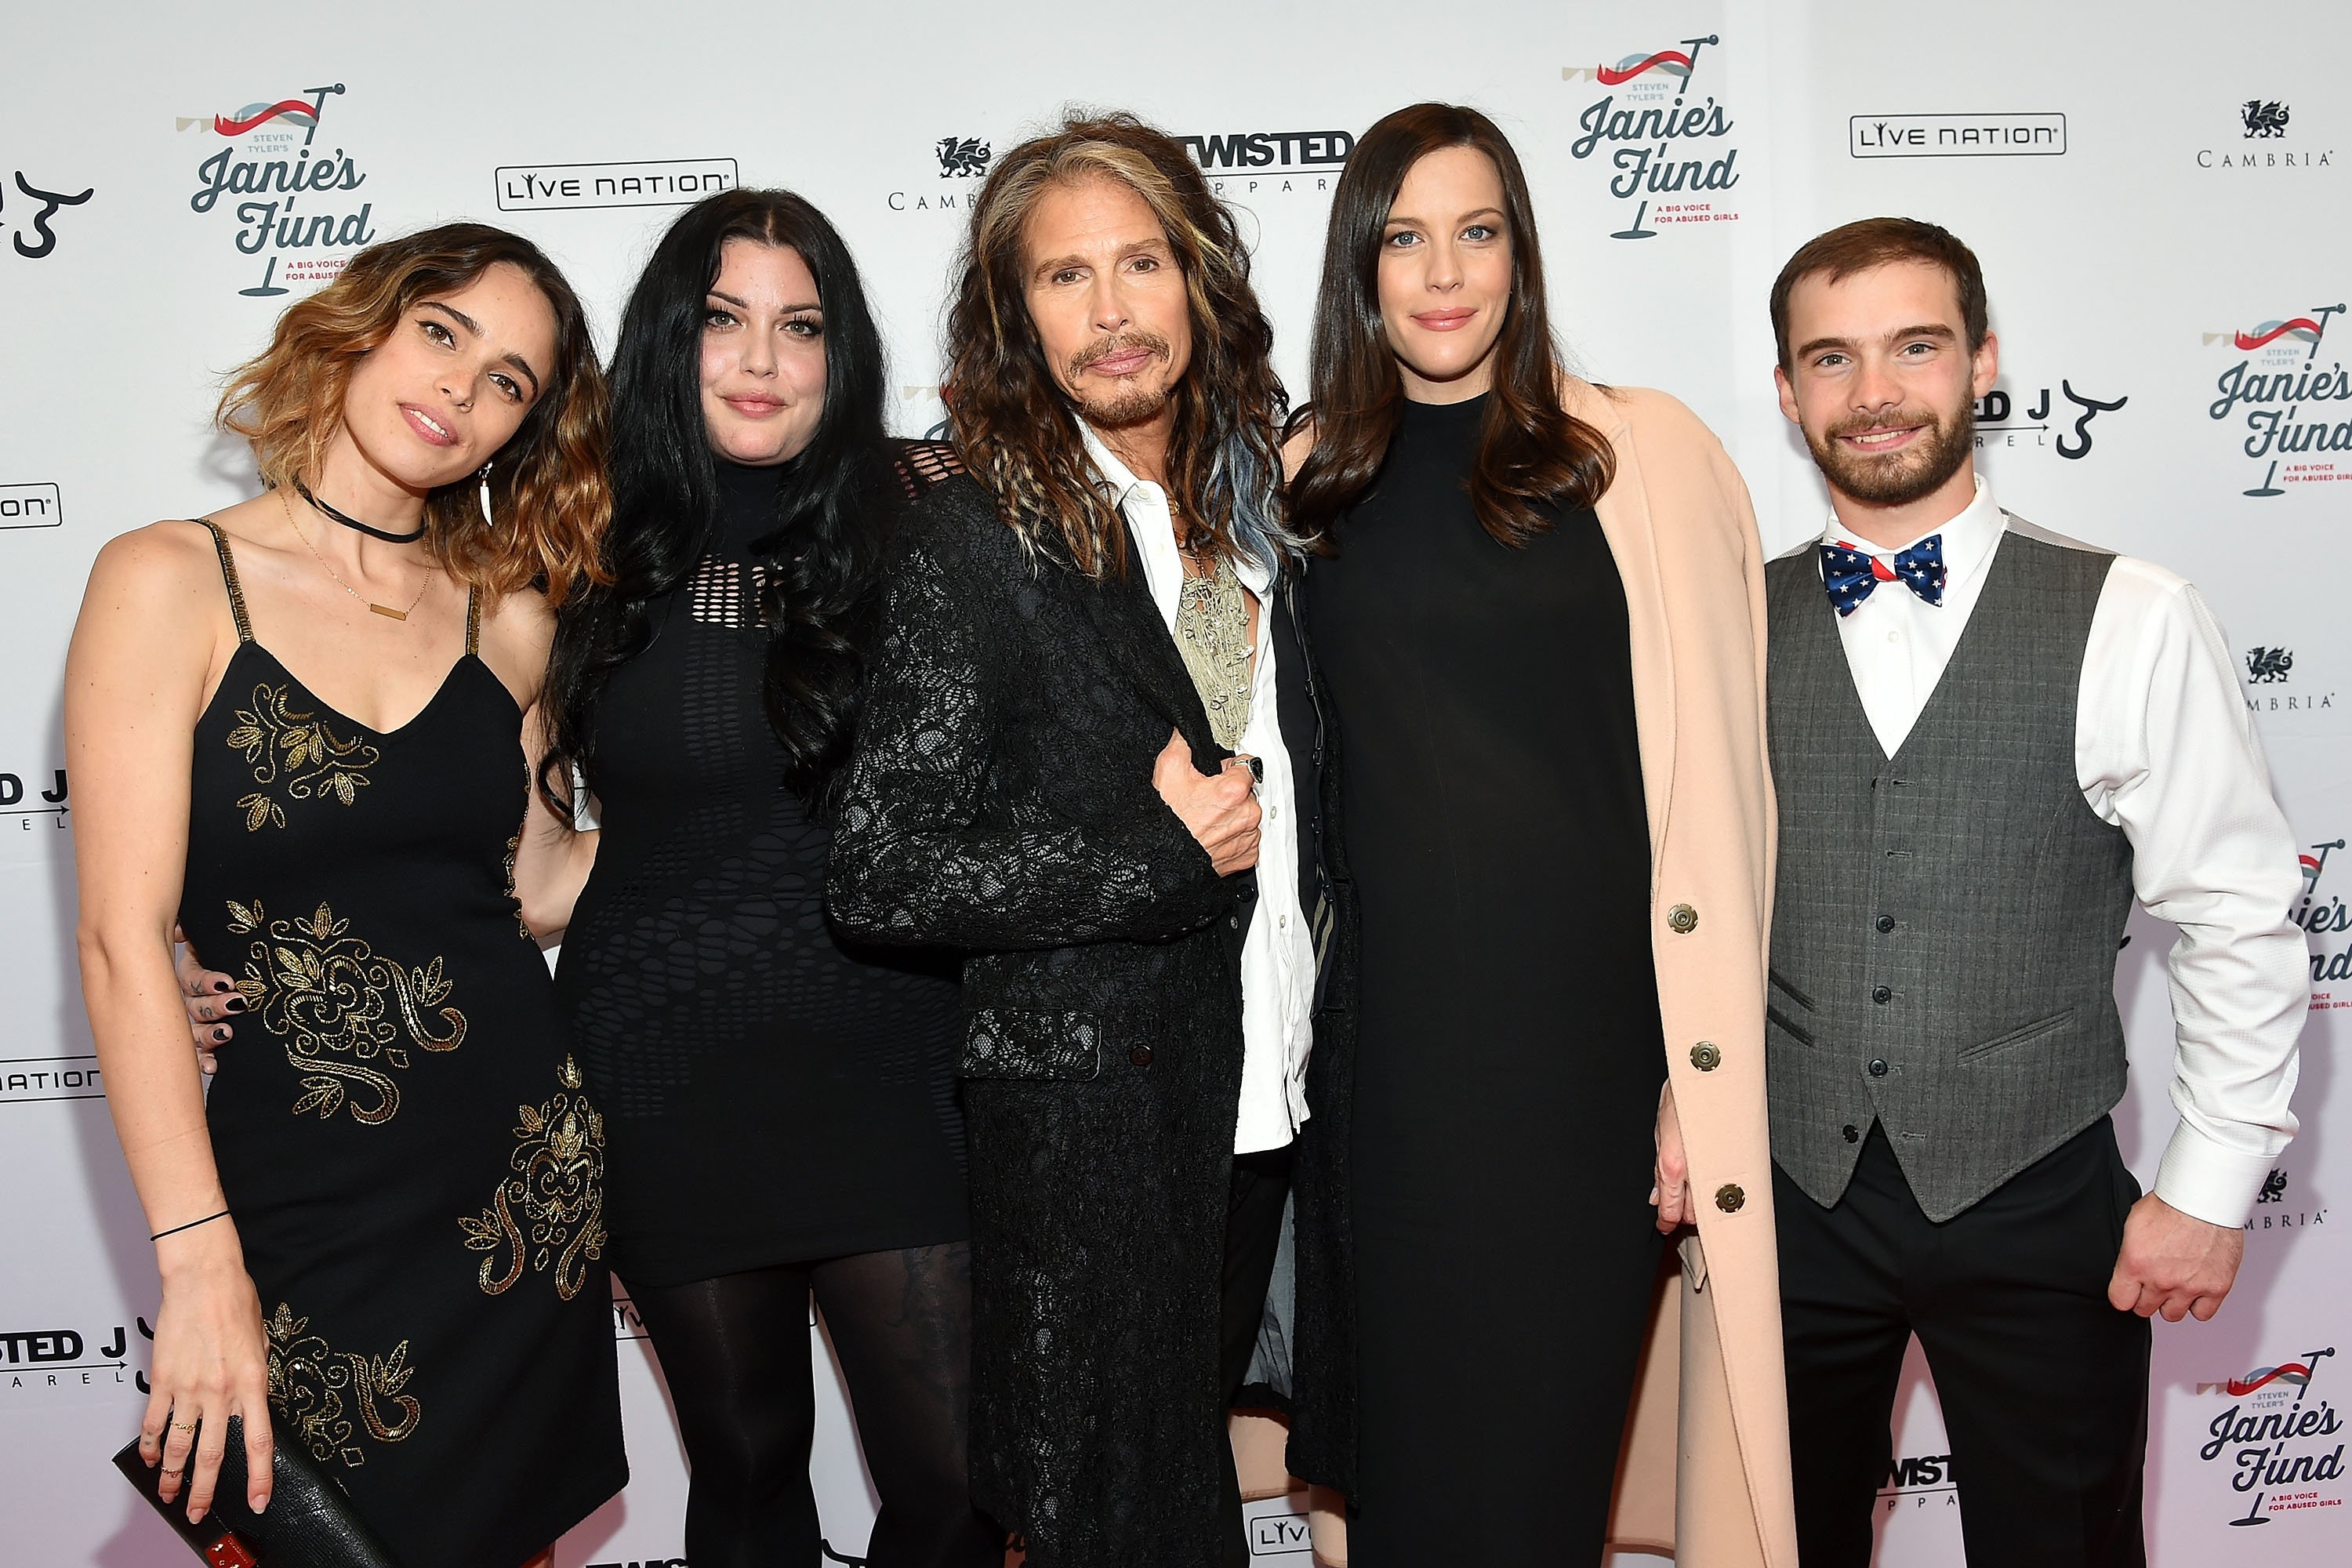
346, 588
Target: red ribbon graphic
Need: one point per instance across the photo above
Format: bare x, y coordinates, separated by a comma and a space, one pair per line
1610, 76
2294, 1372
2303, 323
229, 127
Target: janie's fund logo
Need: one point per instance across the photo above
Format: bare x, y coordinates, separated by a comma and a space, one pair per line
290, 194
2273, 374
1666, 144
2276, 1442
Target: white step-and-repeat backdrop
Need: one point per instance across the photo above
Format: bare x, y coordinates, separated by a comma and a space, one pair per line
2161, 193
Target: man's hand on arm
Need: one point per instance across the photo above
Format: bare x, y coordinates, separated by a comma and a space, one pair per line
2174, 1263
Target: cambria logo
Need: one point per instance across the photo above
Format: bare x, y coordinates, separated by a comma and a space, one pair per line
2264, 119
2266, 1218
2267, 666
962, 157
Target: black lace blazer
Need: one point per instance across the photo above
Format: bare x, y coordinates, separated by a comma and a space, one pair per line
999, 801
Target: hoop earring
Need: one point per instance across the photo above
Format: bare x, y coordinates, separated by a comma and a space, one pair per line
487, 521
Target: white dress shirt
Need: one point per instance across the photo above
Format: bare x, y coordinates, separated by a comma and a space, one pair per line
2164, 749
1278, 952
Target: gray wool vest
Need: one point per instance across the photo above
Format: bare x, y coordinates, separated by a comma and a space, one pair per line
1946, 923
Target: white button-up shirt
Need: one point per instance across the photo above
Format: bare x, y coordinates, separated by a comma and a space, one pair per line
2164, 750
1278, 952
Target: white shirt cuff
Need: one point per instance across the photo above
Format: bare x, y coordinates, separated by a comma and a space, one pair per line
2206, 1181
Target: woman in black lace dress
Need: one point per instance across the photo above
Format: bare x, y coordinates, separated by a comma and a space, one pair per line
781, 1106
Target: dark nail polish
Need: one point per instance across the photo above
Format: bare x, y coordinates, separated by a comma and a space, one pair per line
221, 985
233, 1005
221, 1035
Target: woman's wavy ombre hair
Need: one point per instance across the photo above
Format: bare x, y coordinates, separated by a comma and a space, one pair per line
548, 487
1018, 430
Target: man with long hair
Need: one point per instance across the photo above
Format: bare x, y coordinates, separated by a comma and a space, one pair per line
1093, 760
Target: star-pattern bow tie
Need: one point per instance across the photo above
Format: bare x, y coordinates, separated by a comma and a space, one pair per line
1851, 575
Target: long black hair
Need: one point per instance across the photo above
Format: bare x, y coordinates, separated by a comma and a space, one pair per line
819, 565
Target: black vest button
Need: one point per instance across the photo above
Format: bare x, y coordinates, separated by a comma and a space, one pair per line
1140, 1056
1885, 923
1878, 1067
1851, 1136
1881, 994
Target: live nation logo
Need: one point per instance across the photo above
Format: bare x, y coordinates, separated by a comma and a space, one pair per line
2277, 1442
2274, 377
291, 195
1668, 145
661, 182
2040, 420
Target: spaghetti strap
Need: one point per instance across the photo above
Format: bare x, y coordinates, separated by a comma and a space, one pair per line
473, 621
228, 576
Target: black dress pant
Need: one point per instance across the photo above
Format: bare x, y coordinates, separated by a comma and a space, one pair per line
2044, 1385
1261, 1185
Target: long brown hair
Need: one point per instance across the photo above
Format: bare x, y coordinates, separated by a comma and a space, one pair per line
1531, 451
548, 487
1016, 428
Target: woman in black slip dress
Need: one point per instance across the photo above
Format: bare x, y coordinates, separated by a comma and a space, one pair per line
781, 1106
1508, 1051
385, 1227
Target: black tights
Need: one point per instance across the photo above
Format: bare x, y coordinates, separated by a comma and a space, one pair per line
735, 1351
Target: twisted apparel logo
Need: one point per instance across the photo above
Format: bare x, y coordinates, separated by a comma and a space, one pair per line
33, 215
259, 165
1996, 410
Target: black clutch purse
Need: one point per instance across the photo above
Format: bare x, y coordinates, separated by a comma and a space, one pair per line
310, 1523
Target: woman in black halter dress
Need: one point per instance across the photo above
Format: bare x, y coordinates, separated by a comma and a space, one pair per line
381, 1239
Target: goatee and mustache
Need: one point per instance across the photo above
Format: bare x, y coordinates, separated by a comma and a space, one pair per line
1133, 403
1907, 474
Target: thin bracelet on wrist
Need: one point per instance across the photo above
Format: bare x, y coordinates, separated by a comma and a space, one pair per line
190, 1225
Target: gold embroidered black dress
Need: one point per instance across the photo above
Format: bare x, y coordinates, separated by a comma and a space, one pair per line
416, 1176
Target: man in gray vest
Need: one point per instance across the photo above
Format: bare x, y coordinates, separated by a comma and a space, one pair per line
1986, 741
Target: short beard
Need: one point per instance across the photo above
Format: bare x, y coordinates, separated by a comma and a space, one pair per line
1135, 405
1900, 478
